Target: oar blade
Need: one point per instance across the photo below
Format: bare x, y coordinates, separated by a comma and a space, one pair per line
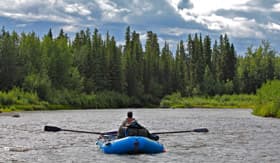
52, 128
201, 130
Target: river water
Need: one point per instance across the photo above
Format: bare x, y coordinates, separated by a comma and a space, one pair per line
235, 136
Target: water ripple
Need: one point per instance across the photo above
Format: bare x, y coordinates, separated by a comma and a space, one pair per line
235, 136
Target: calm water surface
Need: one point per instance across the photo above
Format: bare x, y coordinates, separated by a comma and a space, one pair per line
235, 136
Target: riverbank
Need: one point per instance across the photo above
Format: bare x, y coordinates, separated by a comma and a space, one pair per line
171, 101
264, 103
224, 101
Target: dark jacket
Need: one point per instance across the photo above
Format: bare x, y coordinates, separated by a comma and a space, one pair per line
132, 128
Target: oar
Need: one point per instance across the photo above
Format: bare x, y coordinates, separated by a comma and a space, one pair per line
182, 131
56, 129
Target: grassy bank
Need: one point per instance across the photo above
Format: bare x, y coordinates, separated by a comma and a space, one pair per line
18, 100
265, 103
224, 101
268, 100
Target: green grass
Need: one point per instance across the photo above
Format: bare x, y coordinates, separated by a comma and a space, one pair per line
17, 100
268, 100
225, 101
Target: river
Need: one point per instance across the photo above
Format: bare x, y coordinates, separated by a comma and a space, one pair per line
235, 136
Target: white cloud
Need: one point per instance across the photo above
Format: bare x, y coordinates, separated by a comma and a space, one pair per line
170, 19
70, 28
203, 12
276, 7
176, 31
77, 8
34, 10
30, 17
206, 7
273, 26
110, 11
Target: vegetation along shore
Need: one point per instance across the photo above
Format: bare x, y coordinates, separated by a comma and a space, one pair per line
91, 71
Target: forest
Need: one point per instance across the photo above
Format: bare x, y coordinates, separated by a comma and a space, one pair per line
93, 71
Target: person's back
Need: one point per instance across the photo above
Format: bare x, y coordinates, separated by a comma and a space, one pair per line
130, 127
128, 120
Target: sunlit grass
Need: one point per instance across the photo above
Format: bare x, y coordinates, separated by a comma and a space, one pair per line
224, 101
268, 100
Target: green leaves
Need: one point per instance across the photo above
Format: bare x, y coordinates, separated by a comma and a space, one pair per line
269, 99
59, 69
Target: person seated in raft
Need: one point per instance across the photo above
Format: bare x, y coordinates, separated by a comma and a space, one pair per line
130, 127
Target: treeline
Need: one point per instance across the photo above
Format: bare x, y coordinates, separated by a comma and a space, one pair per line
62, 71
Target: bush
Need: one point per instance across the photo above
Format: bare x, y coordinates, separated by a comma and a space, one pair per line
171, 100
106, 99
224, 101
268, 100
17, 99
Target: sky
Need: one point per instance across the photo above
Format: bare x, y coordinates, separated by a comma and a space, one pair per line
246, 22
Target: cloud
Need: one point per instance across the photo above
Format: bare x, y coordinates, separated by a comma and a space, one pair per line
172, 20
21, 25
111, 12
77, 8
185, 4
70, 28
175, 31
273, 26
33, 10
243, 19
31, 17
276, 7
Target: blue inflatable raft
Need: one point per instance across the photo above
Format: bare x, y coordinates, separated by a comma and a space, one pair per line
130, 145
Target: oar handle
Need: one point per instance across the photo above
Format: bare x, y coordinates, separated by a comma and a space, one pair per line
56, 129
85, 132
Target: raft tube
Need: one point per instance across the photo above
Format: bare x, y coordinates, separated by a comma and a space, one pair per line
130, 145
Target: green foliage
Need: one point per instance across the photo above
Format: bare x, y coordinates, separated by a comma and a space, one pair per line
269, 99
174, 100
257, 67
106, 99
17, 96
269, 92
38, 83
10, 65
225, 101
16, 99
91, 71
268, 110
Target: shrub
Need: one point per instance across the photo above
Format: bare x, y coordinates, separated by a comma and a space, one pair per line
268, 99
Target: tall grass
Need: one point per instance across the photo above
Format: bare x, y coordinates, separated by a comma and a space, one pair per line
268, 100
106, 99
225, 101
16, 99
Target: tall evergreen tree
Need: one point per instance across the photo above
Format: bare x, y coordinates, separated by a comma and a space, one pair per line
151, 65
10, 68
207, 52
166, 70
